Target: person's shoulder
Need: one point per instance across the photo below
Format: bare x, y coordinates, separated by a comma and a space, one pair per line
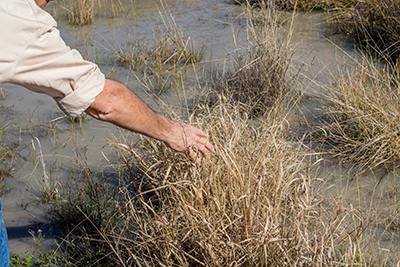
21, 22
25, 12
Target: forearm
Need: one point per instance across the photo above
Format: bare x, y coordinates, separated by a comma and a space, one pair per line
118, 105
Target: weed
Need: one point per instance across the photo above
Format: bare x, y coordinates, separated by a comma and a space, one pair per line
16, 261
88, 214
78, 119
43, 258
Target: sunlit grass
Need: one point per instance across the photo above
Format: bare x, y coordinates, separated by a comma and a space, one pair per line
373, 24
162, 61
84, 12
261, 74
362, 115
299, 5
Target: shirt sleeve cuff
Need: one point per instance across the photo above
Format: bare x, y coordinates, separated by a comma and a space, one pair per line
80, 99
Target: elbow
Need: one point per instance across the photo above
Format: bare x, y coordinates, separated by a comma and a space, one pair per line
102, 106
99, 115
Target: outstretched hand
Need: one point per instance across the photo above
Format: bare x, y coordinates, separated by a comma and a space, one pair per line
120, 106
189, 139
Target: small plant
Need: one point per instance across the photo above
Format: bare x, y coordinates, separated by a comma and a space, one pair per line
16, 261
43, 259
88, 216
78, 119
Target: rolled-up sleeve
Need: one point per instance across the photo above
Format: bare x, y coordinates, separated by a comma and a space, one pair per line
50, 67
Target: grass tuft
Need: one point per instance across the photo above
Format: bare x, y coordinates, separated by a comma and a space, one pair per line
253, 203
374, 24
362, 116
81, 12
261, 75
299, 5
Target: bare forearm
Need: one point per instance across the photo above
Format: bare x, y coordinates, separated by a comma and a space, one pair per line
118, 105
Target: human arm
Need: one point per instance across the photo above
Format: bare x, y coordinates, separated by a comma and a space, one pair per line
118, 105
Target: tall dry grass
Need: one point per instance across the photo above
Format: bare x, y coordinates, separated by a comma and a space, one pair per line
83, 12
256, 202
362, 115
374, 24
299, 5
80, 12
260, 75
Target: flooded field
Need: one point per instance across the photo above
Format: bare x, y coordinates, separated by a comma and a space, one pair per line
50, 149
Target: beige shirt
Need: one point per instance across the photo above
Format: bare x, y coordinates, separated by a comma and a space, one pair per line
32, 54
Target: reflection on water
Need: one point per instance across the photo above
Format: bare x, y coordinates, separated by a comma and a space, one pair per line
207, 22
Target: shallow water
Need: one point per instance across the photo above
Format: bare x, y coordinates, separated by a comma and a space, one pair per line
52, 147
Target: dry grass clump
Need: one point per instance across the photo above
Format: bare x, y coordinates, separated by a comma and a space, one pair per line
162, 59
300, 5
251, 204
260, 75
83, 12
362, 122
374, 24
238, 209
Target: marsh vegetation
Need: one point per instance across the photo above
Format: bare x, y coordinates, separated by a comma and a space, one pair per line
271, 194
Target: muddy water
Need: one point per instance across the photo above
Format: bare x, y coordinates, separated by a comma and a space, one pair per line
50, 145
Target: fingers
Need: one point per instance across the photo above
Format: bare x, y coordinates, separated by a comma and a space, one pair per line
203, 146
193, 156
193, 140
